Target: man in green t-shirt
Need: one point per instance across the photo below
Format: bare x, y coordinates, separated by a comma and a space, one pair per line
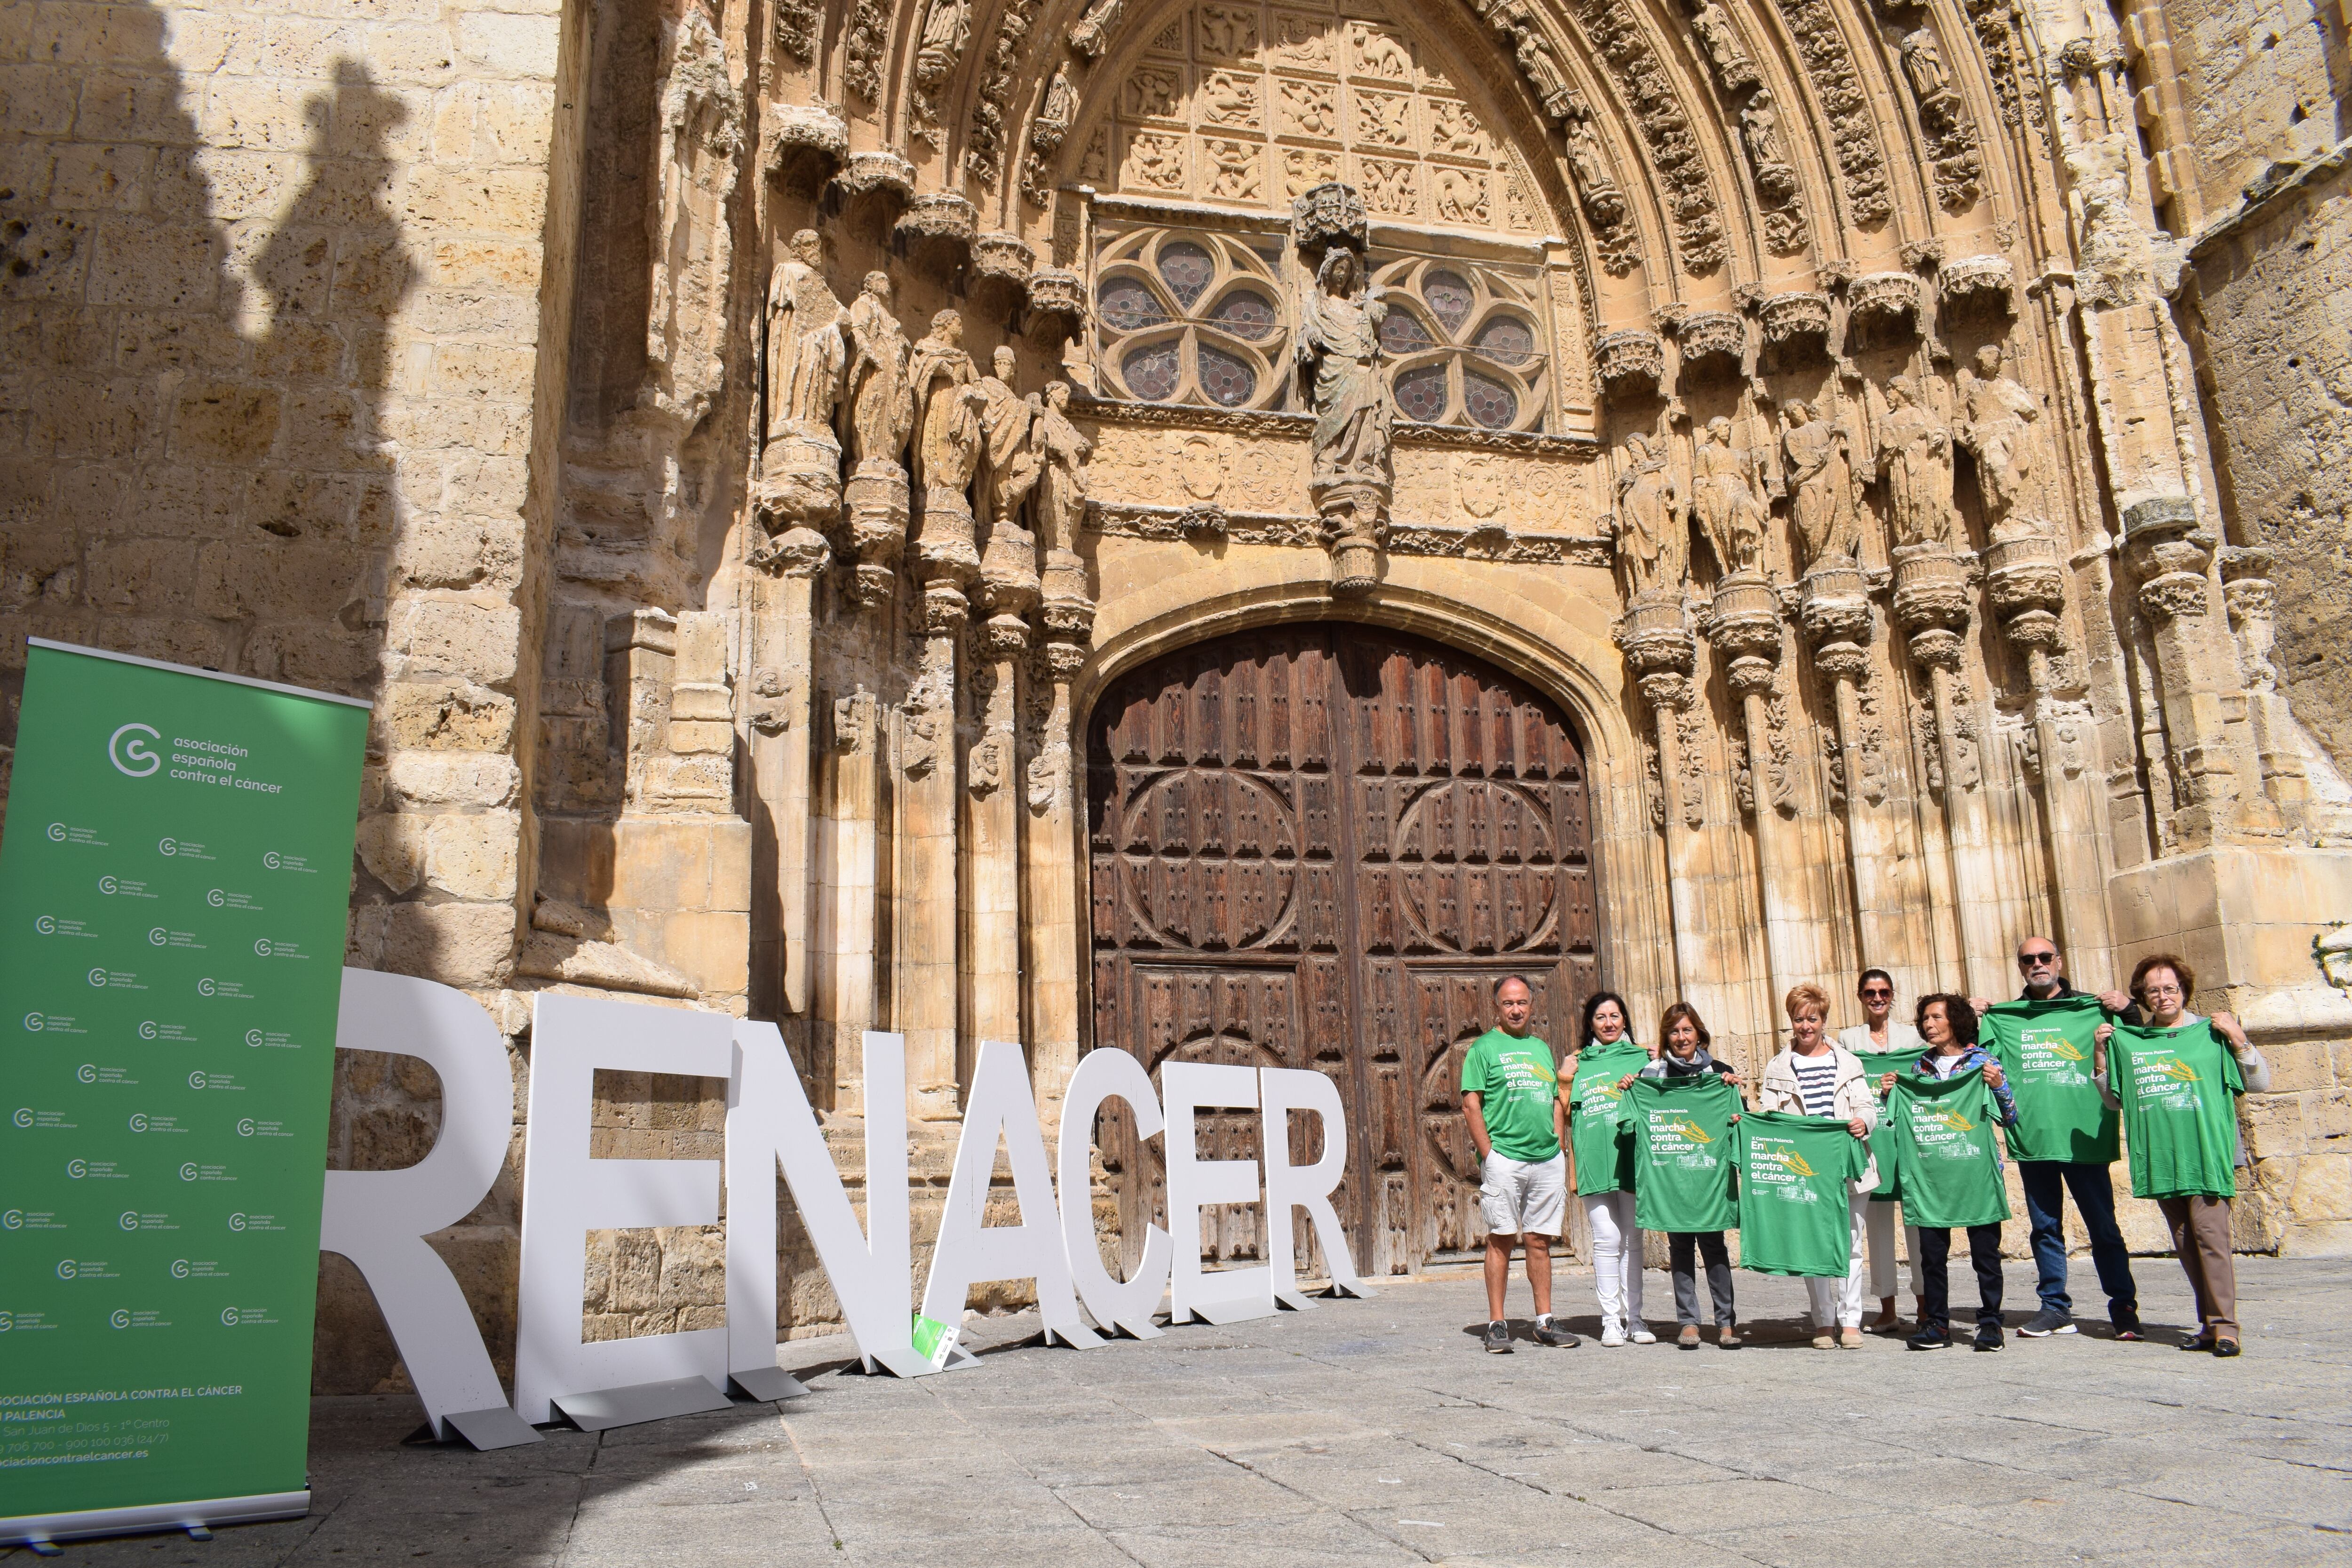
1510, 1098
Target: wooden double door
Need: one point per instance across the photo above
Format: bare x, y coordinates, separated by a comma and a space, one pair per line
1320, 846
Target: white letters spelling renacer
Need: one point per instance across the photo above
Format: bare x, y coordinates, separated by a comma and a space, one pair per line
378, 1219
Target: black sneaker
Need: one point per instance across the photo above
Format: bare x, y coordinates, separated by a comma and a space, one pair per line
1498, 1338
1930, 1337
2127, 1322
1550, 1333
1989, 1337
2046, 1322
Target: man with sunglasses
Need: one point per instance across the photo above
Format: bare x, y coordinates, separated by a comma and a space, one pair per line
2046, 1182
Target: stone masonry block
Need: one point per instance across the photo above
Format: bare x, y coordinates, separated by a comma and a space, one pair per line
453, 552
509, 267
474, 854
112, 179
2321, 1190
150, 575
48, 258
483, 371
37, 99
392, 848
457, 945
452, 778
224, 422
459, 637
495, 204
446, 716
279, 580
508, 45
659, 864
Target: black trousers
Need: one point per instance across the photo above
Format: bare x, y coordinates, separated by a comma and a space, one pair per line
1935, 1271
1709, 1244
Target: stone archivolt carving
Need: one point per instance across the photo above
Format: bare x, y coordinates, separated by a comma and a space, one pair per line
1353, 476
1915, 458
1951, 137
1611, 26
869, 33
947, 30
1758, 120
799, 23
1047, 133
1838, 85
984, 150
1092, 31
1892, 294
1615, 237
1734, 73
1979, 275
1713, 334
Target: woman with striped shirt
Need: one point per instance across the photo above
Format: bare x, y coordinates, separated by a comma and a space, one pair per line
1815, 1077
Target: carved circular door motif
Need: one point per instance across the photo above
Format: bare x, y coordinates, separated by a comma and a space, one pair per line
1213, 859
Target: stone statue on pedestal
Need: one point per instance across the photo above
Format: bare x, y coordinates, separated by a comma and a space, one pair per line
1653, 536
1820, 457
1915, 456
881, 404
2000, 433
1724, 495
948, 399
799, 457
1339, 353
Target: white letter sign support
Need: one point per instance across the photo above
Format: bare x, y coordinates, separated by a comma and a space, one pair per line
379, 1219
768, 1123
969, 1249
1231, 1295
566, 1195
1285, 1089
1107, 1074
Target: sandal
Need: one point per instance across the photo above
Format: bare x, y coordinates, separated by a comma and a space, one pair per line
1728, 1337
2200, 1341
1688, 1339
2225, 1347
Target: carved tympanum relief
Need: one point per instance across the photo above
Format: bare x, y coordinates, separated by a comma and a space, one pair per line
1239, 105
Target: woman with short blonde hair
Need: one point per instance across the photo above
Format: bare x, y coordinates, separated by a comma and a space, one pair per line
1815, 1078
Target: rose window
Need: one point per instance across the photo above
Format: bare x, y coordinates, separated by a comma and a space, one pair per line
1463, 344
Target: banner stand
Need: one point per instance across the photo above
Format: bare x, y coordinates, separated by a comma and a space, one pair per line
40, 1530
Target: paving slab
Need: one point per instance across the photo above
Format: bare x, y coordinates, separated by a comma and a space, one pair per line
1372, 1433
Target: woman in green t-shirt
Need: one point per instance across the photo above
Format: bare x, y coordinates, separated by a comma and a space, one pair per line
1601, 1163
1683, 1041
2199, 1222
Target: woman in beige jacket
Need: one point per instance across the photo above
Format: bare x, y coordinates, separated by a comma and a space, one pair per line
1815, 1078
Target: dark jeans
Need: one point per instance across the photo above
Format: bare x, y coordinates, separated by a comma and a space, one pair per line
2094, 1199
1935, 1270
1709, 1244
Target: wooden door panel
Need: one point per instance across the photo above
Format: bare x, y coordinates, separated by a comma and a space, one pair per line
1320, 846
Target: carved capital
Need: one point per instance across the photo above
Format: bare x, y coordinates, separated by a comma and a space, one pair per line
795, 553
1744, 622
1979, 276
1057, 303
1834, 604
2172, 596
1064, 660
1752, 676
936, 231
1713, 335
2024, 572
1891, 295
1842, 661
1654, 635
1790, 318
945, 609
806, 142
1937, 649
1666, 691
1004, 636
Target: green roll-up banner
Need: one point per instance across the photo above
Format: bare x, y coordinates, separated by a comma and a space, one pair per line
173, 880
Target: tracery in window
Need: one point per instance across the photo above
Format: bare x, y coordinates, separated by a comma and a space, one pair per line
1464, 342
1192, 317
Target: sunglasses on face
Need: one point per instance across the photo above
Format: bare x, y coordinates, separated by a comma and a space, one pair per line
1878, 995
2035, 960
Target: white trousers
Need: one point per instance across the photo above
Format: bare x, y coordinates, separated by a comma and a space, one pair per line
1616, 1257
1882, 1250
1837, 1304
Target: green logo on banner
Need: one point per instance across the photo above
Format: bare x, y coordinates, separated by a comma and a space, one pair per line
175, 856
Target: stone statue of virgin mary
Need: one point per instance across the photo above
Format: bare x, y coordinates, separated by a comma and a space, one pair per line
1339, 349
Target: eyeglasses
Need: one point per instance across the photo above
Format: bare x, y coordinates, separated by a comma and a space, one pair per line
2035, 960
2155, 991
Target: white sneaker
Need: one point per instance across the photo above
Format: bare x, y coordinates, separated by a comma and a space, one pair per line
1641, 1335
1612, 1336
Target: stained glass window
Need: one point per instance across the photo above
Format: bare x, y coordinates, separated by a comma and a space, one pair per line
1246, 313
1507, 340
1402, 334
1151, 371
1128, 305
1464, 342
1450, 299
1187, 269
1228, 380
1420, 394
1490, 403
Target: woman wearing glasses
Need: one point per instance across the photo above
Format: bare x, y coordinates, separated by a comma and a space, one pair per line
1885, 1044
2181, 1129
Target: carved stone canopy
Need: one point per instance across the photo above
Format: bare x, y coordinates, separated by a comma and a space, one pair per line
806, 142
1987, 278
1713, 335
999, 281
1790, 318
936, 231
882, 179
1888, 295
1835, 605
1626, 360
1057, 304
1328, 215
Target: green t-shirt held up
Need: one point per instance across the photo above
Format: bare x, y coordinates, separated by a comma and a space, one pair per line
2179, 1089
1515, 1082
2045, 1049
1943, 1142
1682, 1152
1603, 1140
1794, 1174
1877, 1064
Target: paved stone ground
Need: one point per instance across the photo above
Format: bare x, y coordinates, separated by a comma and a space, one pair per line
1376, 1433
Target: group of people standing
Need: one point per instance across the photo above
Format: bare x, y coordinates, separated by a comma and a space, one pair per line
1666, 1137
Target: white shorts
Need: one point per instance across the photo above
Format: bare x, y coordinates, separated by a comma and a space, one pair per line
1516, 1195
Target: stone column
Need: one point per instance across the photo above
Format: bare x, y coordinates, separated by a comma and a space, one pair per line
1836, 613
1745, 628
781, 755
2026, 581
1656, 636
993, 912
847, 886
2171, 557
1049, 936
927, 819
1932, 605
